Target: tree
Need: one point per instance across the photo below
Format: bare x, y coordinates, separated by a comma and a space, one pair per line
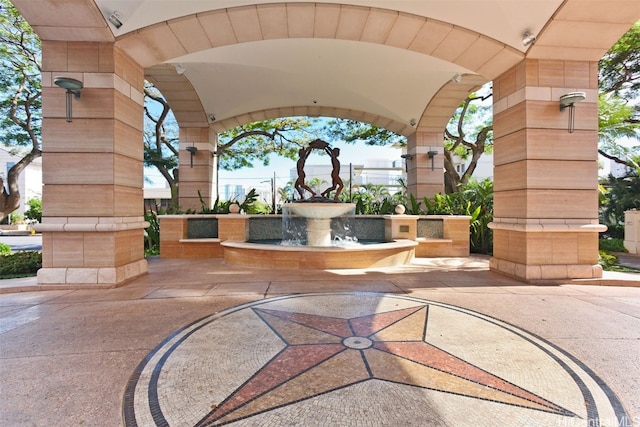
616, 123
161, 140
254, 142
351, 131
237, 148
316, 184
619, 111
622, 194
20, 99
35, 210
468, 135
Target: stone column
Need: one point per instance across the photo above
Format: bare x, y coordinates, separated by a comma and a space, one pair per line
197, 173
93, 224
632, 231
546, 200
425, 162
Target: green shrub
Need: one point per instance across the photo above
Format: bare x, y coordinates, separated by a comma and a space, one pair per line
474, 199
606, 260
5, 249
612, 245
152, 234
35, 210
20, 264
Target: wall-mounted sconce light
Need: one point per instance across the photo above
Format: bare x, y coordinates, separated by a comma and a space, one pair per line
114, 18
567, 101
73, 88
406, 158
528, 38
431, 155
412, 122
457, 78
192, 151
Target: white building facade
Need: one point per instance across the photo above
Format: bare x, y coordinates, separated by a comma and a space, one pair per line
30, 180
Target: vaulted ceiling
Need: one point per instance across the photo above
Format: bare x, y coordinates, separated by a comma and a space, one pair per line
393, 63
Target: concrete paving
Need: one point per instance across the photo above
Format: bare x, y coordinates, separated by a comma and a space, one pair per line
438, 342
22, 242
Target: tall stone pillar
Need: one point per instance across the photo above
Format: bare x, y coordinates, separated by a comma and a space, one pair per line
197, 168
93, 224
425, 163
546, 201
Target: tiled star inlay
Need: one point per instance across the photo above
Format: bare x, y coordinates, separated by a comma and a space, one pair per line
324, 353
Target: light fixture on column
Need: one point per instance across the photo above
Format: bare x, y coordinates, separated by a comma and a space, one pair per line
406, 158
192, 150
431, 155
114, 18
528, 38
567, 101
73, 88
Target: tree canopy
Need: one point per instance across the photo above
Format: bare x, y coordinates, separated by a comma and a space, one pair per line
618, 106
20, 99
468, 135
254, 142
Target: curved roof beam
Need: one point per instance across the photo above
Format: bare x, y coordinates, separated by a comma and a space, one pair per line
565, 29
184, 38
442, 106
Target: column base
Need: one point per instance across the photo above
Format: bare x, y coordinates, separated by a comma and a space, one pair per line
549, 274
94, 278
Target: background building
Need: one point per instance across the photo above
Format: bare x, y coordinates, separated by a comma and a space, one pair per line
30, 180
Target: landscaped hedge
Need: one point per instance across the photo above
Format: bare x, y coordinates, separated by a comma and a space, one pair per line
20, 264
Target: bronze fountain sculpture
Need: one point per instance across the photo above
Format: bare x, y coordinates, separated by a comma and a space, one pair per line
336, 181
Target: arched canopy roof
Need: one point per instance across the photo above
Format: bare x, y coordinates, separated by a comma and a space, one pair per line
386, 62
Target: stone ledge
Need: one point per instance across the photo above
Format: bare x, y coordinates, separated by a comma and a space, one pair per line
433, 240
545, 274
545, 228
91, 227
92, 277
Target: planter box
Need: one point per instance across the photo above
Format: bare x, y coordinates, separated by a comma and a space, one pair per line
201, 236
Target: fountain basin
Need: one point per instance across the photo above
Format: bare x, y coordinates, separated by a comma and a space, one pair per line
398, 252
318, 216
319, 210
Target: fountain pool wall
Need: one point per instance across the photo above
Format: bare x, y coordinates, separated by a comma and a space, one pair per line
205, 236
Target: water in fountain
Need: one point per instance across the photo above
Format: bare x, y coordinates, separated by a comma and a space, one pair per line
317, 224
319, 212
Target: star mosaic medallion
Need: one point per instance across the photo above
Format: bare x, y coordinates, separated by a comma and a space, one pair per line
321, 349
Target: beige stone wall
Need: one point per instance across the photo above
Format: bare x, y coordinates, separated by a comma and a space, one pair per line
545, 200
93, 228
201, 177
632, 231
454, 241
424, 178
174, 242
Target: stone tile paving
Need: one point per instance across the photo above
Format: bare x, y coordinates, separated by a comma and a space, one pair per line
308, 357
67, 356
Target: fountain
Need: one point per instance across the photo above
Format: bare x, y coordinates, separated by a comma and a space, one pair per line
318, 212
318, 216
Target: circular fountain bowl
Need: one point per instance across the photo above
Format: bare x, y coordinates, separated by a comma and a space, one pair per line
258, 255
319, 210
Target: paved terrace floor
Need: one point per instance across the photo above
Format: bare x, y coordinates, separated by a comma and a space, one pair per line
439, 342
